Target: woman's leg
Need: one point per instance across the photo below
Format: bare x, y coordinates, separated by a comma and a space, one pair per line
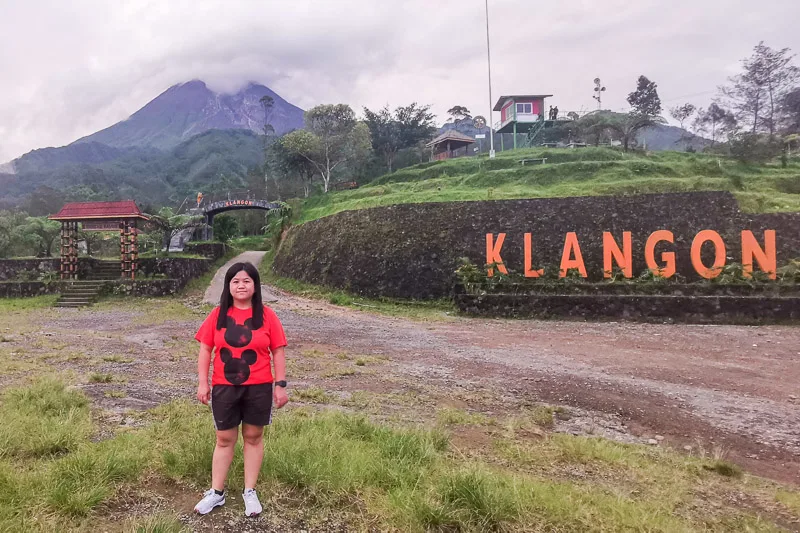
253, 453
223, 456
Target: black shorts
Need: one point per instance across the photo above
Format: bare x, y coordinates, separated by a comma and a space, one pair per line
233, 404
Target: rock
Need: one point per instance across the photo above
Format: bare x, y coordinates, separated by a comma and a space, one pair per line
652, 442
687, 448
659, 438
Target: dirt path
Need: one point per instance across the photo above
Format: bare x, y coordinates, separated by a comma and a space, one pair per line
214, 290
733, 389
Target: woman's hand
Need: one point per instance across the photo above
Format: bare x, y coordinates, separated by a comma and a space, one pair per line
203, 393
279, 397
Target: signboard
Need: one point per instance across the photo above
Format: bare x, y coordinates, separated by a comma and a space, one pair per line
480, 136
664, 266
100, 225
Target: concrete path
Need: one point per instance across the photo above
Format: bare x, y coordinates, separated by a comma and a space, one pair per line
214, 290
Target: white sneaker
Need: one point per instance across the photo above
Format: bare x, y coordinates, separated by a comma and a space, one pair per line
252, 507
210, 500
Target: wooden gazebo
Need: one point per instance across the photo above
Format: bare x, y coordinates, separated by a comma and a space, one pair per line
448, 145
99, 216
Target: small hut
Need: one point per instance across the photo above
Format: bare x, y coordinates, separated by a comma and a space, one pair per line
448, 145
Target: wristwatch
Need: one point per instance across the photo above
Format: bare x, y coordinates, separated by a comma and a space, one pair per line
281, 383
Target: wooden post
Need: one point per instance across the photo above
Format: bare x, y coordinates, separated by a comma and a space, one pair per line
134, 250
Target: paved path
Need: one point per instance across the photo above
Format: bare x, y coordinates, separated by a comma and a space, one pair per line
214, 290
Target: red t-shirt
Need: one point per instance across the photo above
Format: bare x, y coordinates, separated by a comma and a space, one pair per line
242, 354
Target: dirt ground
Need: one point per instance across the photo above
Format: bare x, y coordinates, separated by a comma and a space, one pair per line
729, 389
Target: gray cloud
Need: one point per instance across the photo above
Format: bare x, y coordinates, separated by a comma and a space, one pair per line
72, 68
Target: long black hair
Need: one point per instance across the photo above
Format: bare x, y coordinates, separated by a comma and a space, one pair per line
226, 300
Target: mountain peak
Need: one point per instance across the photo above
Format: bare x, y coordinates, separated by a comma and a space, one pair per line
190, 108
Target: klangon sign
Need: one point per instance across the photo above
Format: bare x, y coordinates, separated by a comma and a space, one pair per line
622, 256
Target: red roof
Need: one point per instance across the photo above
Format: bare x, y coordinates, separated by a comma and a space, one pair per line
95, 210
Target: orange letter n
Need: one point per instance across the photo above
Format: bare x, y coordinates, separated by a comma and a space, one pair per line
493, 253
622, 257
751, 250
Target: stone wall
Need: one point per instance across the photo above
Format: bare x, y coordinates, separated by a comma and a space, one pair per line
212, 250
648, 308
148, 287
27, 269
412, 250
25, 289
181, 269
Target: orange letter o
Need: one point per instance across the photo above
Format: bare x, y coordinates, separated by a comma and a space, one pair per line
719, 256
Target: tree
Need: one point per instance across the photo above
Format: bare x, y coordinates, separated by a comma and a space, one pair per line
9, 221
625, 125
168, 224
226, 228
267, 103
753, 147
332, 137
715, 121
407, 126
38, 233
291, 163
459, 112
682, 112
644, 100
755, 93
91, 238
790, 111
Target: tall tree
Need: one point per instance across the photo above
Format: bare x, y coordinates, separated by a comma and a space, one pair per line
332, 137
459, 112
756, 93
682, 112
392, 132
645, 100
715, 121
267, 103
790, 111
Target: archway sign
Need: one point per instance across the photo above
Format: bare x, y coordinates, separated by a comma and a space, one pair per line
99, 216
220, 206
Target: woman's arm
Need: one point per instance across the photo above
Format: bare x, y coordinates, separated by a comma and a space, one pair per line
279, 363
203, 362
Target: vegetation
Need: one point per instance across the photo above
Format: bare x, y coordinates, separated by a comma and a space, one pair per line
580, 172
371, 475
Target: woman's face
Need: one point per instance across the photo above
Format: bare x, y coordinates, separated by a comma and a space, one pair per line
242, 287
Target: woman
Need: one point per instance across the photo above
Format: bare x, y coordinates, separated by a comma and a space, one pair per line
242, 332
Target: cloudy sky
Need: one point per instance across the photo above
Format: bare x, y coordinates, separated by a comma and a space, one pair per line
72, 68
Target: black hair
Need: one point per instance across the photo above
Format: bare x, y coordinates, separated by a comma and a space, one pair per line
226, 300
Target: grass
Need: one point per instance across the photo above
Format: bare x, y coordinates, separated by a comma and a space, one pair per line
100, 378
27, 304
376, 476
584, 172
116, 359
311, 395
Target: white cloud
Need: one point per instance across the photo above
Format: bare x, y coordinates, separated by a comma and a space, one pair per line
72, 68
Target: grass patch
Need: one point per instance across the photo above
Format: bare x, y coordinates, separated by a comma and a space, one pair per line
155, 524
311, 395
376, 476
585, 172
96, 377
725, 468
27, 304
339, 373
43, 419
115, 394
451, 416
117, 359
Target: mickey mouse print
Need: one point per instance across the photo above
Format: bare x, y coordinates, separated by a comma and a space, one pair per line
242, 354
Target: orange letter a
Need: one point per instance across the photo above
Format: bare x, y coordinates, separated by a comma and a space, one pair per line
493, 253
571, 246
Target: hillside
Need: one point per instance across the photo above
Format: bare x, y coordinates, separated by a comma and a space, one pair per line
147, 174
191, 108
581, 172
